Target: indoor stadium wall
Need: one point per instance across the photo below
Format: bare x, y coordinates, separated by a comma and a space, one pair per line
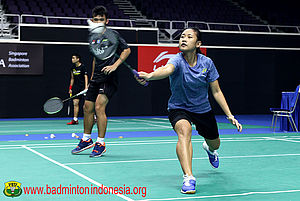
254, 69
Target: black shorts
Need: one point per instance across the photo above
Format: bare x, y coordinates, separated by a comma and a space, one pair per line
76, 90
205, 123
95, 88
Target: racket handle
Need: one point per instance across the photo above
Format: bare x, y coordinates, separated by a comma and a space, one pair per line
82, 92
137, 75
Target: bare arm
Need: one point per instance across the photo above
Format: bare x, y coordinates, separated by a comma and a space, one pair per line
123, 57
159, 73
108, 69
86, 81
71, 83
219, 97
93, 68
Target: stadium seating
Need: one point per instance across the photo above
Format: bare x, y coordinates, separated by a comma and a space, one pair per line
209, 11
275, 12
59, 8
204, 10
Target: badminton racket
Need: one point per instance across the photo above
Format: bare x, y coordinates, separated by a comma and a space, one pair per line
55, 104
106, 46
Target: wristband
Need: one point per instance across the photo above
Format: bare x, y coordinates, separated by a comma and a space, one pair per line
70, 87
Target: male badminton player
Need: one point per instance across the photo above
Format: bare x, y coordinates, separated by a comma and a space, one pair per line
104, 81
78, 82
191, 74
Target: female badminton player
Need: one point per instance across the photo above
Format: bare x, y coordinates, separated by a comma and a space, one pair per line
191, 74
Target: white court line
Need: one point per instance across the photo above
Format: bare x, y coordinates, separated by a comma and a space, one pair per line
226, 195
116, 120
164, 119
175, 159
117, 142
74, 171
152, 122
146, 122
44, 124
237, 139
286, 140
144, 143
71, 130
122, 143
28, 125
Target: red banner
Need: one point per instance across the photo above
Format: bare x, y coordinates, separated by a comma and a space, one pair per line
152, 57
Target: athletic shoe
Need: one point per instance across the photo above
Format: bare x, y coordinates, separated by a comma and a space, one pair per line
189, 184
99, 149
83, 145
73, 122
213, 156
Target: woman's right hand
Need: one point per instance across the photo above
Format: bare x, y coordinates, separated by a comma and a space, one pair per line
146, 76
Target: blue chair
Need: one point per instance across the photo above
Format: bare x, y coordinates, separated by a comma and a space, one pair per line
280, 112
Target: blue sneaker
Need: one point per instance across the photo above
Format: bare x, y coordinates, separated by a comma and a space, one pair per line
213, 156
189, 184
99, 149
83, 145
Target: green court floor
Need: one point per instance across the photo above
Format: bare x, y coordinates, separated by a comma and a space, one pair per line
252, 166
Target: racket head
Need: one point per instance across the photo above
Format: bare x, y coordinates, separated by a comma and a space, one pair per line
138, 77
104, 46
53, 105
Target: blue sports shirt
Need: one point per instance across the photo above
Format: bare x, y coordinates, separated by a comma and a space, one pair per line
189, 85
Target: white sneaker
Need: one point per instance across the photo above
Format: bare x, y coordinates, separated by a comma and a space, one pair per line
212, 156
189, 185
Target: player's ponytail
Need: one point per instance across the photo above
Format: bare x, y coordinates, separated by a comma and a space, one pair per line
199, 37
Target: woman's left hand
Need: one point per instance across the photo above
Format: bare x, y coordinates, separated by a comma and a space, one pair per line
235, 122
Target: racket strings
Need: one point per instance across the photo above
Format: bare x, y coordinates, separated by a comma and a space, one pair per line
53, 105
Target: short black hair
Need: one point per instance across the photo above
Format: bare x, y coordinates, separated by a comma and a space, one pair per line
100, 10
77, 56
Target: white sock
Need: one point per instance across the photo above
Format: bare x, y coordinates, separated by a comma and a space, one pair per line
191, 177
100, 140
206, 147
75, 118
86, 137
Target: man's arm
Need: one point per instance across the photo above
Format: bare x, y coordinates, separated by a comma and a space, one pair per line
93, 68
86, 81
123, 56
71, 83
